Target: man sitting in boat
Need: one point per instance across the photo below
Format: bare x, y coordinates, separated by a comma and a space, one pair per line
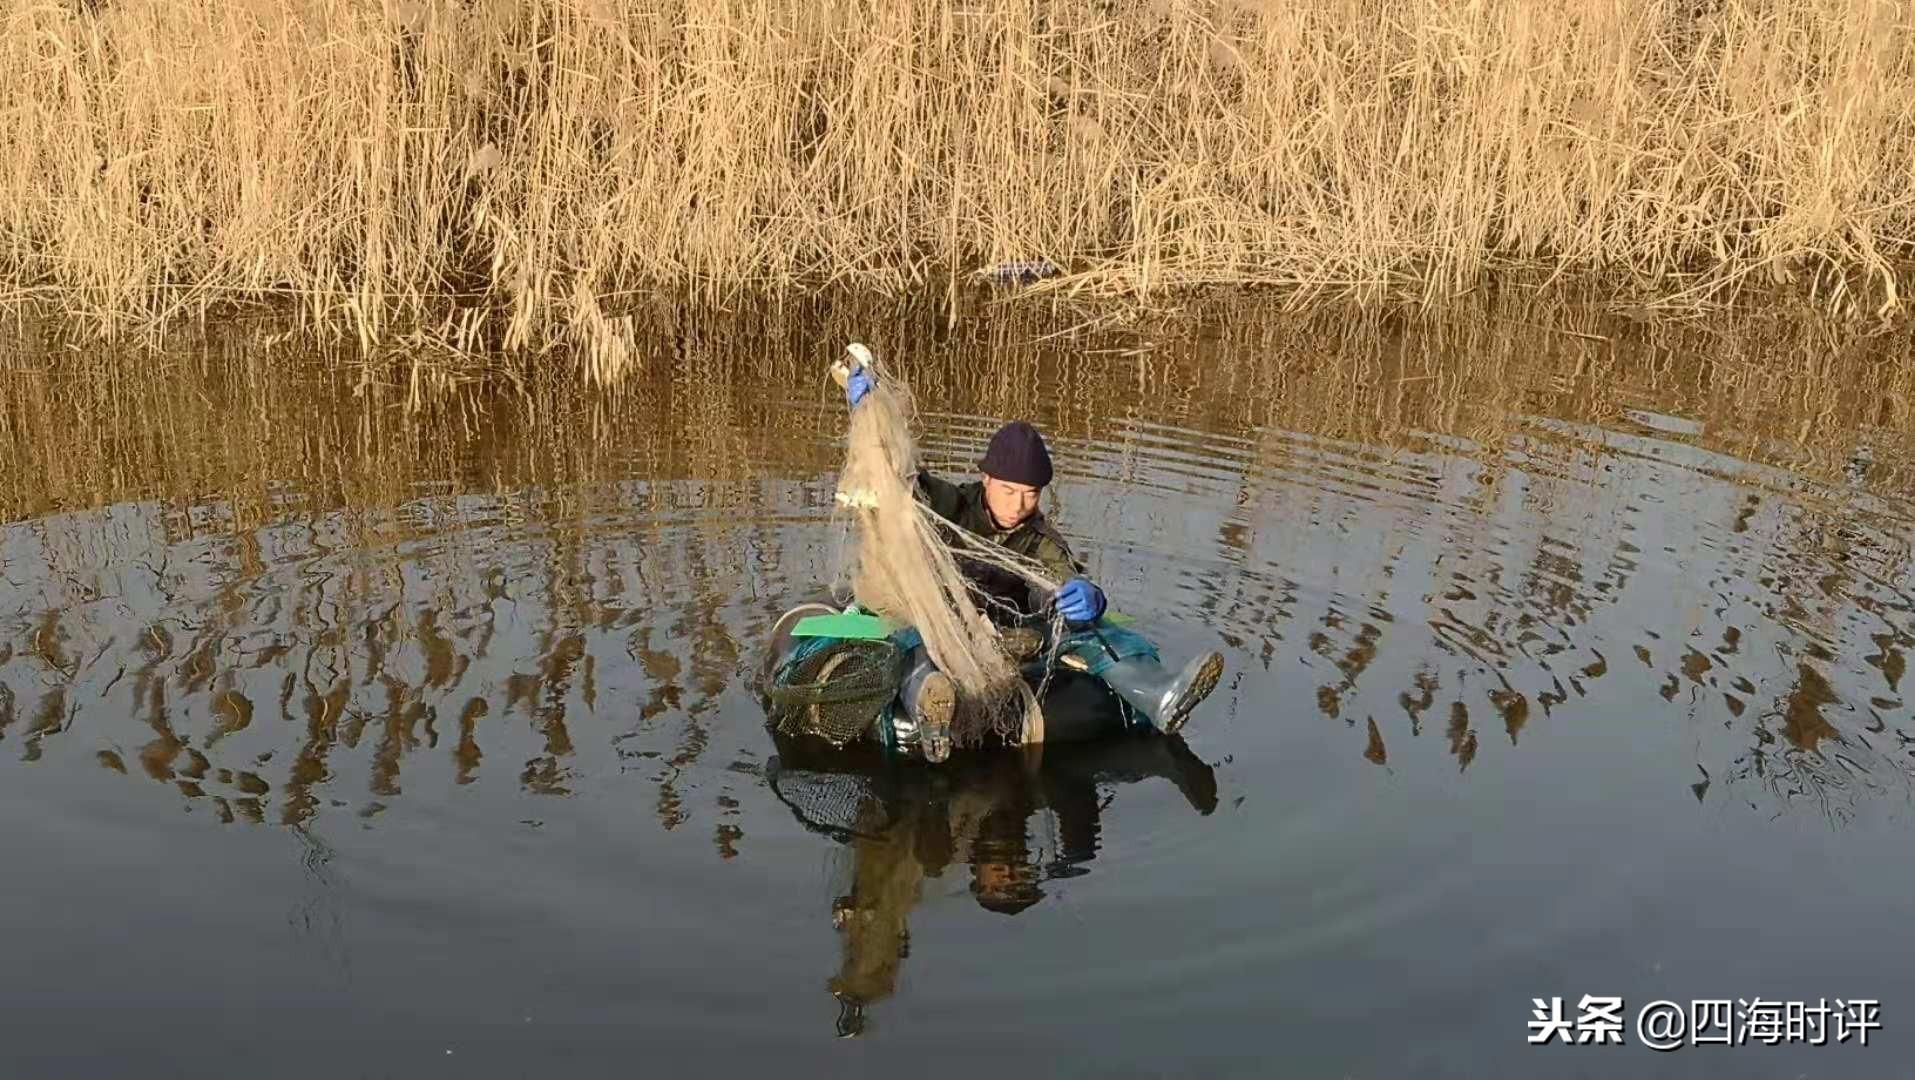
1002, 506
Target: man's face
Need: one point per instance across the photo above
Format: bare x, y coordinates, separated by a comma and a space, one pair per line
1010, 504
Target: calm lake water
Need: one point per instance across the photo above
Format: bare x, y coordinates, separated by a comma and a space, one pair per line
373, 722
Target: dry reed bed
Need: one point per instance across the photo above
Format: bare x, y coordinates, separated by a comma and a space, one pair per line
500, 173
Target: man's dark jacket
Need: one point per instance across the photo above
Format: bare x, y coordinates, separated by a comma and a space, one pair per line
1034, 538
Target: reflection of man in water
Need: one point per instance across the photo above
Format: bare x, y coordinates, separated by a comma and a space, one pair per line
1004, 876
982, 818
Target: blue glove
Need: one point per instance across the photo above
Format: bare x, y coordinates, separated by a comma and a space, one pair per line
858, 385
1079, 601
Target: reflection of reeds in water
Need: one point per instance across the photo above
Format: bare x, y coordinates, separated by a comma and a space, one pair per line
373, 576
1815, 558
503, 570
508, 173
1791, 392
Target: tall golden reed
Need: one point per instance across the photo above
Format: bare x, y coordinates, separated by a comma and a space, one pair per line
505, 173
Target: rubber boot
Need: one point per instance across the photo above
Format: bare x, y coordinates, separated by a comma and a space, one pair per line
1166, 698
929, 698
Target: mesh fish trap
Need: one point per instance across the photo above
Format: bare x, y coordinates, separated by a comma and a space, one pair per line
833, 688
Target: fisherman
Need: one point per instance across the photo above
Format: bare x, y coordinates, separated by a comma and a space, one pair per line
1002, 506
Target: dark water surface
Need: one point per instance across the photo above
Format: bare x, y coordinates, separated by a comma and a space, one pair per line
1566, 656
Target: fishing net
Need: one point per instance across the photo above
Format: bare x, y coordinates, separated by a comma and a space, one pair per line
833, 688
906, 564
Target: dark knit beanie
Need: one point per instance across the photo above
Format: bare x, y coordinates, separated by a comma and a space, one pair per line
1017, 455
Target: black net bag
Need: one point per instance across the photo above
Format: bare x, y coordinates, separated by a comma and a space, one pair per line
833, 688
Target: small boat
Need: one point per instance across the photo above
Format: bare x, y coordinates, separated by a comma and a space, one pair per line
844, 676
